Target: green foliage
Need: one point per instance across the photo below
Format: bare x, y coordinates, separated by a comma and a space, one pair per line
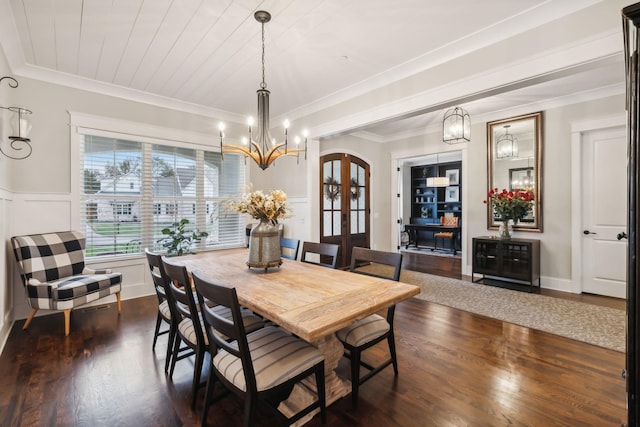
179, 240
91, 181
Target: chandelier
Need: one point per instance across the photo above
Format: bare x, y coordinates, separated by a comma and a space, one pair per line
456, 126
507, 145
264, 149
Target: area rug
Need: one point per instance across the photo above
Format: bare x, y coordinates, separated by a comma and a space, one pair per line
601, 326
427, 251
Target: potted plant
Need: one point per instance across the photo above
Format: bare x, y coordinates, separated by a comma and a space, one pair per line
178, 239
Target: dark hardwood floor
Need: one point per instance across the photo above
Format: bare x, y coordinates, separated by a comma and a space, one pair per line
456, 369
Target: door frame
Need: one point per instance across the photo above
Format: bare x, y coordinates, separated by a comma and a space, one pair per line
347, 241
400, 188
578, 129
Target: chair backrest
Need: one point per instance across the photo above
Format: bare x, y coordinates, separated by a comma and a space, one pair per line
376, 263
327, 252
451, 221
224, 332
50, 256
158, 275
182, 294
289, 248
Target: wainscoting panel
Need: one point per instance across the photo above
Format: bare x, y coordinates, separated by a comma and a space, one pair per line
42, 213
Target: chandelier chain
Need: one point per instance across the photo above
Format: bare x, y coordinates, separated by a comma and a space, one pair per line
263, 85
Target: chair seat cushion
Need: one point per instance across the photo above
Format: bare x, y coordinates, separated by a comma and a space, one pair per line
250, 320
364, 330
72, 287
188, 332
277, 356
251, 323
164, 310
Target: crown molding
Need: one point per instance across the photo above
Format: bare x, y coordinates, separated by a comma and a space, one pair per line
524, 21
560, 62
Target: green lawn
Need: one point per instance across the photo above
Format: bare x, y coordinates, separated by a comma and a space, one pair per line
114, 228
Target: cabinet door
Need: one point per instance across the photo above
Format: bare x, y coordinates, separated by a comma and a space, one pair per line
516, 261
485, 257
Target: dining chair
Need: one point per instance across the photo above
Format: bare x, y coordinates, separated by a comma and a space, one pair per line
451, 221
324, 254
365, 333
263, 365
165, 307
289, 248
189, 327
190, 330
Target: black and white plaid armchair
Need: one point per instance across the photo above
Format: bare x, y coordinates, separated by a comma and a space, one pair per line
55, 277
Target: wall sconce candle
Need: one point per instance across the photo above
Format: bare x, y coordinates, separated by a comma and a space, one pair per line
21, 126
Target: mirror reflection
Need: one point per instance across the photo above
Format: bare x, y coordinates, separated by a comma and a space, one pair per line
514, 163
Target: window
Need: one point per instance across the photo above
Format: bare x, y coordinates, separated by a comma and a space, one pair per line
131, 190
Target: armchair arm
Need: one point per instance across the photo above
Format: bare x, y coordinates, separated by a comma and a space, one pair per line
88, 270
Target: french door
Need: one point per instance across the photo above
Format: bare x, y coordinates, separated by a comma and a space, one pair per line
344, 203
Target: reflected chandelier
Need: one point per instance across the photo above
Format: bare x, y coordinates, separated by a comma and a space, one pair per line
506, 145
263, 149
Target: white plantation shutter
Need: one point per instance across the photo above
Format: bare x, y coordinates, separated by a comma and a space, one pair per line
131, 190
224, 180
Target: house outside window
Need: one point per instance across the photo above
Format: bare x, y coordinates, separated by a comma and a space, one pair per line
131, 190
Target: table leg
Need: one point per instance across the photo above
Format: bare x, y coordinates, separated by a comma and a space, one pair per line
335, 387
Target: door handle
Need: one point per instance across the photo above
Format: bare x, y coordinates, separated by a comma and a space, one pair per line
621, 235
586, 232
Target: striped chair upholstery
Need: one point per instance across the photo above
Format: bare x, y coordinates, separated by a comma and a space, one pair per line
259, 366
55, 276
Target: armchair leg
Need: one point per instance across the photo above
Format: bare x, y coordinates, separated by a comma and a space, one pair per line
29, 318
67, 321
119, 305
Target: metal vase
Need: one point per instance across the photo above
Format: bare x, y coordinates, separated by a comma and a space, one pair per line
264, 246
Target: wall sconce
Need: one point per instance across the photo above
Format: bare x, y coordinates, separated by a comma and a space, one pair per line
21, 126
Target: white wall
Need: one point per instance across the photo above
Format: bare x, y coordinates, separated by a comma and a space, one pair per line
558, 218
7, 96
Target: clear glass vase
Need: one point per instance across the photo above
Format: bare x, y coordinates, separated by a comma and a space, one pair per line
505, 229
264, 246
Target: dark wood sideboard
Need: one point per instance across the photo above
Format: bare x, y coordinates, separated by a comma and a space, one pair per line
513, 263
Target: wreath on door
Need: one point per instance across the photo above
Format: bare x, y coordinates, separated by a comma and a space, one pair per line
355, 189
331, 189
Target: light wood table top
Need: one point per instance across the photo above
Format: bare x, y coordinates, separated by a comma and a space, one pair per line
308, 300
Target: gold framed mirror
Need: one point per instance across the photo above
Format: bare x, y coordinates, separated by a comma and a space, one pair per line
514, 162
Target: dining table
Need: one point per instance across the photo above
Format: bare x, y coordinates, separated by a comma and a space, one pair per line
308, 300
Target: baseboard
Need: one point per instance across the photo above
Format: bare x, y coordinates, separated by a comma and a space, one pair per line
5, 331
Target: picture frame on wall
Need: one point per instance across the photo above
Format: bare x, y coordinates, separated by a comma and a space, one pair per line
454, 176
452, 194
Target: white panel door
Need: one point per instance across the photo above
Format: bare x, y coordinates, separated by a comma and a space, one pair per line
604, 212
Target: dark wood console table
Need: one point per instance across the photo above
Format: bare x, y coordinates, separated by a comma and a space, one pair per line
513, 263
413, 229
